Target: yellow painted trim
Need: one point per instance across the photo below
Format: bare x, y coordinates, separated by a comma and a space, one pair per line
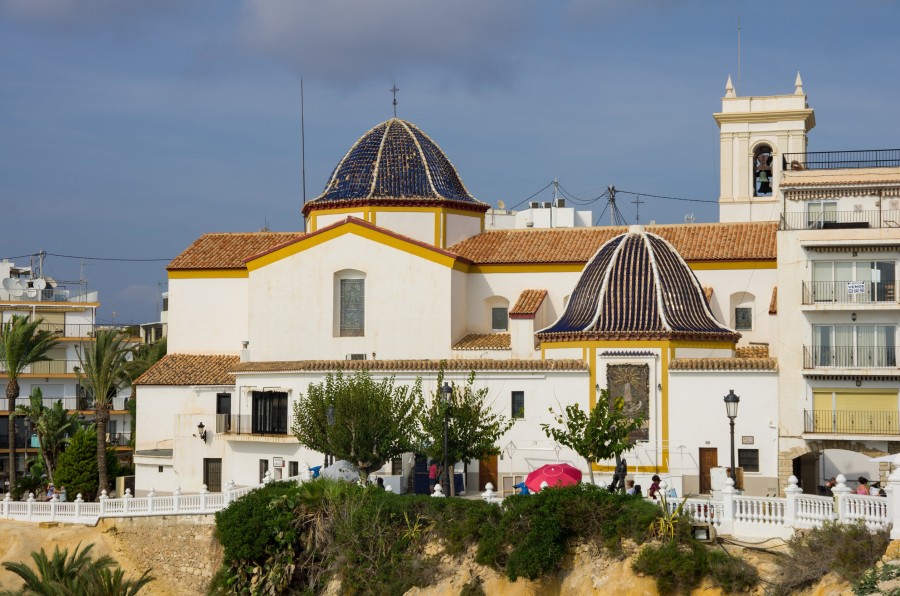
732, 265
855, 390
704, 345
54, 307
539, 268
592, 377
313, 223
351, 228
437, 229
208, 274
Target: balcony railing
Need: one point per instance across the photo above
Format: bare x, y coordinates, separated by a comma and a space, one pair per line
22, 441
849, 292
69, 329
23, 293
839, 220
115, 439
851, 422
69, 403
244, 424
49, 367
838, 160
849, 356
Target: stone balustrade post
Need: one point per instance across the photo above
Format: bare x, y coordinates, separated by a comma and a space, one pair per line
53, 503
267, 477
103, 499
488, 493
229, 492
176, 500
728, 507
6, 503
126, 504
29, 507
791, 492
203, 498
78, 503
388, 488
438, 492
841, 490
893, 493
150, 496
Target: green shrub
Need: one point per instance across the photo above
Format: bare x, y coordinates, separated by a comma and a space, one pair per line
247, 526
677, 568
77, 465
870, 580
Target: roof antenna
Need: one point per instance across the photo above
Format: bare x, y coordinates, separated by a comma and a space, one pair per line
739, 50
394, 90
302, 145
637, 202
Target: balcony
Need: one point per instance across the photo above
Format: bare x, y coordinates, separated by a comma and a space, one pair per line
849, 292
115, 439
49, 367
840, 220
243, 427
64, 330
851, 422
842, 357
69, 403
840, 160
22, 441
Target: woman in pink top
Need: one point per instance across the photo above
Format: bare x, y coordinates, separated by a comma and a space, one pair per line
863, 487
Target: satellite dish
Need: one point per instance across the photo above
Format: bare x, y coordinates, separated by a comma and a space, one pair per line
7, 283
40, 283
501, 204
31, 293
15, 287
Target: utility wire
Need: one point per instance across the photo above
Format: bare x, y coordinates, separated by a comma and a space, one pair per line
549, 184
643, 194
50, 254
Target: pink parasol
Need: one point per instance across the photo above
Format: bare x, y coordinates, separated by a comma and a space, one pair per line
553, 475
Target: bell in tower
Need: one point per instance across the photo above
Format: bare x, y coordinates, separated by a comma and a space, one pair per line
763, 167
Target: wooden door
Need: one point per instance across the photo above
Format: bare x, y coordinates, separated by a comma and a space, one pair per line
709, 458
487, 472
212, 474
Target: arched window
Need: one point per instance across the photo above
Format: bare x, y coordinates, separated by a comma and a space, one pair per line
499, 313
762, 171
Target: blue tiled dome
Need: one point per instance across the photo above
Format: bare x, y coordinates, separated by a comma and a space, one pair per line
637, 286
393, 163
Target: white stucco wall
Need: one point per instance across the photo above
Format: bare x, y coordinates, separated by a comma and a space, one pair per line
207, 316
415, 224
460, 227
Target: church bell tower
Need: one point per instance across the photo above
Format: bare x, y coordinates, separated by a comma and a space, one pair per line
755, 134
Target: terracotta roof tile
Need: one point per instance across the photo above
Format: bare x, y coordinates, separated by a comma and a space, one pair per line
695, 242
191, 369
484, 341
467, 364
528, 304
717, 364
755, 351
773, 303
228, 251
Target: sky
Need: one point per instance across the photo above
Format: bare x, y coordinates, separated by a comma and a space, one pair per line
129, 129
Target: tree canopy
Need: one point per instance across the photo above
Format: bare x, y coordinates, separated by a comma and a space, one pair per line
51, 425
603, 433
358, 419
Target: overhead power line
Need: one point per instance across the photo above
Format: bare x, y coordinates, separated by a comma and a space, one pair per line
51, 254
644, 194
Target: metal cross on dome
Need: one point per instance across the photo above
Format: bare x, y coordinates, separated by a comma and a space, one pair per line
394, 90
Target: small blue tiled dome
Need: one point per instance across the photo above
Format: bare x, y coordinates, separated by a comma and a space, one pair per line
637, 286
393, 163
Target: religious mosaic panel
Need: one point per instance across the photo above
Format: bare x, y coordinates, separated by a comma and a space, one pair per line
632, 383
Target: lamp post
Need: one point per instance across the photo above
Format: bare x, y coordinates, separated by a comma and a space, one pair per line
446, 392
329, 418
731, 409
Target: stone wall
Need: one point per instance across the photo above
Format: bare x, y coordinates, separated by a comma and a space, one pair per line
182, 551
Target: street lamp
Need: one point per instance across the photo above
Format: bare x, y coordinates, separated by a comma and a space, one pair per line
329, 418
731, 408
446, 392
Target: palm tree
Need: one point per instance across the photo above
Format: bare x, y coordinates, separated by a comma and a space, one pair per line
52, 427
22, 343
143, 357
102, 371
77, 573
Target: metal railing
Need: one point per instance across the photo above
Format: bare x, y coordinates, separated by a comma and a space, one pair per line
849, 356
23, 440
69, 403
245, 424
839, 220
26, 294
838, 160
48, 367
849, 292
851, 422
115, 439
69, 329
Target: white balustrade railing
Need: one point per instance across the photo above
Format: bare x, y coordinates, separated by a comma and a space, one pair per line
731, 514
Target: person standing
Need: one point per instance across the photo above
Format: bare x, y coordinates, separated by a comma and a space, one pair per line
863, 487
432, 476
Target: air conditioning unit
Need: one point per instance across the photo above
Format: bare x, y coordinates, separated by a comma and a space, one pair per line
534, 204
356, 356
560, 203
547, 204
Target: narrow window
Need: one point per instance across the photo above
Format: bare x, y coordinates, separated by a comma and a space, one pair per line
353, 314
748, 459
762, 171
223, 412
293, 469
743, 318
518, 405
499, 318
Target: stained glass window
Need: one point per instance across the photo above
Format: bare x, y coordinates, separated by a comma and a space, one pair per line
353, 307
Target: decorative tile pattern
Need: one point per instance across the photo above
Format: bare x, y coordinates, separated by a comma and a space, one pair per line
717, 364
752, 351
